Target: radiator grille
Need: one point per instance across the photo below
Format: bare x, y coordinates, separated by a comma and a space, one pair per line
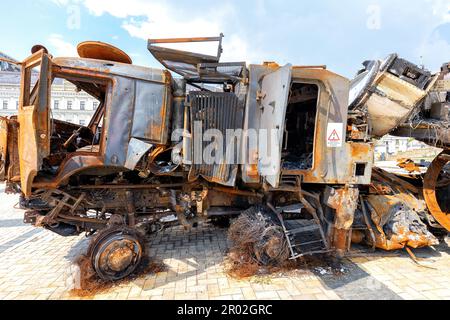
220, 111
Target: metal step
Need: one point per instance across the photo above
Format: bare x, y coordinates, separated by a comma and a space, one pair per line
294, 208
310, 228
304, 237
306, 243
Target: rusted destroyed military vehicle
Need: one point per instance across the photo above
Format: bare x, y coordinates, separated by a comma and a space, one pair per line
277, 145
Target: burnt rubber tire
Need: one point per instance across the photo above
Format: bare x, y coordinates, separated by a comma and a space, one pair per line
259, 230
116, 252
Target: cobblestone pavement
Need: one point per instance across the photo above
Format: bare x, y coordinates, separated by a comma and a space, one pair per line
36, 264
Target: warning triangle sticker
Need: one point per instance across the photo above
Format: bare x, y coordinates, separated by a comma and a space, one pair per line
334, 137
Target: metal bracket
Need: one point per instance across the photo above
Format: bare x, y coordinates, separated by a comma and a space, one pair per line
60, 204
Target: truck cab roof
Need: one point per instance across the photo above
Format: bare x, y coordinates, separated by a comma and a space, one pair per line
111, 68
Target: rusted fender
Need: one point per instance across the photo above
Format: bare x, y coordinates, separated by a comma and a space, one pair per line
429, 189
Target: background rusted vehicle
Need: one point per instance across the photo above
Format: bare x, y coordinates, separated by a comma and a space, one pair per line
397, 97
138, 164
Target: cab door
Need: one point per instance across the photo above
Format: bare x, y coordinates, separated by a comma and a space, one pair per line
274, 95
34, 117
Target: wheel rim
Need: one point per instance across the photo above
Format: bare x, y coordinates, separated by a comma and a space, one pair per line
116, 255
429, 190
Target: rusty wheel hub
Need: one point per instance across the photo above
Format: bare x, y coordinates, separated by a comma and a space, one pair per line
119, 256
116, 253
430, 186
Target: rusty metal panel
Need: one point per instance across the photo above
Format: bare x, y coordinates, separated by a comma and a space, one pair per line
28, 148
442, 85
249, 167
136, 149
275, 89
392, 103
345, 202
183, 62
3, 147
75, 163
430, 189
12, 156
216, 111
398, 223
150, 111
118, 121
110, 69
135, 108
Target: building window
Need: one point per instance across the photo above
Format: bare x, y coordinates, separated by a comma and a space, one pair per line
82, 122
56, 104
69, 105
82, 105
95, 105
5, 104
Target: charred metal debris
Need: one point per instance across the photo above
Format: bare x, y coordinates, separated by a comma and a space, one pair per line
309, 187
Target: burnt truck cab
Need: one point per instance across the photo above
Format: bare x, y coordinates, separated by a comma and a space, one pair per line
152, 148
119, 88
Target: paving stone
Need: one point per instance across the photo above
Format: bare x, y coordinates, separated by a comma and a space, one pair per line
35, 264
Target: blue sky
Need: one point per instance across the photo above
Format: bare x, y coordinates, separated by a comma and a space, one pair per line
340, 34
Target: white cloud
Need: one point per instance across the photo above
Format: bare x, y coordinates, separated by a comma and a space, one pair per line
237, 49
158, 19
61, 2
260, 8
433, 48
441, 9
434, 52
65, 2
61, 48
316, 33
